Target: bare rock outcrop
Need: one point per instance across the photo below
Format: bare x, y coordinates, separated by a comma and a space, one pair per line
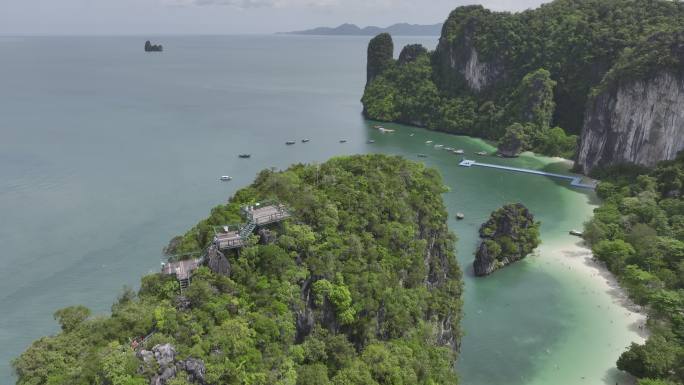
639, 122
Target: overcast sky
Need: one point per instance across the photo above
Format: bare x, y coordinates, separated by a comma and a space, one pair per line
107, 17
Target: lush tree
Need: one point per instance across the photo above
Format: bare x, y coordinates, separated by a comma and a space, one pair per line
71, 317
301, 305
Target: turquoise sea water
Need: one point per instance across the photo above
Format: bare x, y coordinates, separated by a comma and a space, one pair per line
107, 152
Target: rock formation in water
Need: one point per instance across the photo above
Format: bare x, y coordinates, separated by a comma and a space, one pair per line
380, 51
149, 47
513, 141
638, 117
508, 236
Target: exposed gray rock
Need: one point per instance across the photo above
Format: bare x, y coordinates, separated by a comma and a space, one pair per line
146, 356
485, 262
639, 122
182, 303
166, 374
266, 236
460, 63
164, 354
195, 368
217, 262
509, 235
478, 74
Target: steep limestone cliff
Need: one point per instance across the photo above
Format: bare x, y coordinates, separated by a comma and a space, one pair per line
638, 115
459, 63
380, 55
641, 122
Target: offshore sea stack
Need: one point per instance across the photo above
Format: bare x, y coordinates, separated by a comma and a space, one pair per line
508, 236
149, 47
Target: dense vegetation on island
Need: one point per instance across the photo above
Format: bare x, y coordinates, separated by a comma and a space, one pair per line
638, 232
525, 78
509, 235
360, 286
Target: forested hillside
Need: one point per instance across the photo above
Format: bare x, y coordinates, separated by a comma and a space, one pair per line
527, 75
639, 233
359, 286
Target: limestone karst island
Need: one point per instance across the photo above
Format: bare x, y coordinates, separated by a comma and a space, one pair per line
502, 204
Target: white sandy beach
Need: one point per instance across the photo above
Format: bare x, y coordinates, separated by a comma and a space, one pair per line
611, 320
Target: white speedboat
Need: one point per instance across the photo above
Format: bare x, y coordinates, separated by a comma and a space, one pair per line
428, 141
226, 178
459, 151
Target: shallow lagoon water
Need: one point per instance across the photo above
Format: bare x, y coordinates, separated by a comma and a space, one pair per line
107, 152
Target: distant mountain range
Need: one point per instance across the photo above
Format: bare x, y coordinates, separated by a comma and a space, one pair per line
398, 29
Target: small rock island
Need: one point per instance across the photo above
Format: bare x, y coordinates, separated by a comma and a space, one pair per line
509, 235
149, 47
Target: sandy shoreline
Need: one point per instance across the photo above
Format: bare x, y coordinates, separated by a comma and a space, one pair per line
577, 257
600, 303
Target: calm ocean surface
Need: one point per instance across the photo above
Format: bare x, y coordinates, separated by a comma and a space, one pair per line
107, 152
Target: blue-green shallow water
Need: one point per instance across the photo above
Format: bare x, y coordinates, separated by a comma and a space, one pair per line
107, 152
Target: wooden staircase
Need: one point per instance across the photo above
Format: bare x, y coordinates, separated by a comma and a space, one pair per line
184, 283
247, 229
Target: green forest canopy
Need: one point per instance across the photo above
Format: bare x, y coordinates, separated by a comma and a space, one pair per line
638, 232
575, 42
366, 261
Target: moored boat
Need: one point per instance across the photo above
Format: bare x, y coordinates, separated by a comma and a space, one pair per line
422, 156
290, 142
576, 233
244, 156
459, 151
343, 140
305, 140
460, 216
481, 153
225, 178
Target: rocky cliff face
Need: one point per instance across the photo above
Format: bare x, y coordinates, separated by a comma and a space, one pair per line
508, 236
459, 62
380, 55
477, 74
162, 360
639, 122
461, 59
